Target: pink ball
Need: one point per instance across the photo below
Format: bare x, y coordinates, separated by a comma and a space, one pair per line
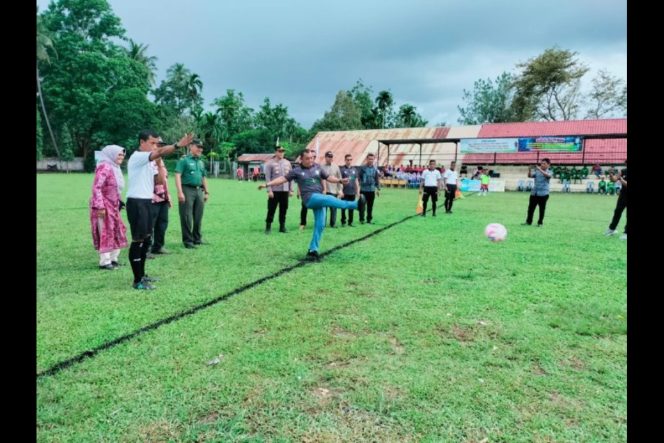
495, 232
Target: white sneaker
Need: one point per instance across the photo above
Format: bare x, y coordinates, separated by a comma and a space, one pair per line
610, 232
623, 237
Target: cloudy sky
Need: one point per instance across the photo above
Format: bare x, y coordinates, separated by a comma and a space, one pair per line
302, 52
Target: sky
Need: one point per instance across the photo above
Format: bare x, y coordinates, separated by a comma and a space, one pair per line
300, 53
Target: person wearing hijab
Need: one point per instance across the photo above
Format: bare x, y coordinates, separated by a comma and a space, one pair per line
109, 233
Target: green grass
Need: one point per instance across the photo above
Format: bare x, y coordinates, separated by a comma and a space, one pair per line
425, 332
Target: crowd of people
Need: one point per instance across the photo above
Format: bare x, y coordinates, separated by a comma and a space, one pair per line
319, 186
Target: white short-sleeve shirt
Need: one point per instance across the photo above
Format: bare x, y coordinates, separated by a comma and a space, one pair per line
431, 177
141, 176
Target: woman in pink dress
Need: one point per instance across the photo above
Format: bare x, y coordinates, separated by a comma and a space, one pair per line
109, 233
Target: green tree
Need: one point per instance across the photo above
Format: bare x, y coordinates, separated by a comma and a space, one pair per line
180, 91
253, 141
488, 102
548, 86
343, 116
235, 116
384, 109
408, 117
608, 96
209, 129
128, 112
361, 95
276, 121
44, 47
137, 52
91, 71
40, 138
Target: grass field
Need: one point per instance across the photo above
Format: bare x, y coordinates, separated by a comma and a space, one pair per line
424, 332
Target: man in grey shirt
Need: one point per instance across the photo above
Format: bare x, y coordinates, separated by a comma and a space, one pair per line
351, 190
278, 195
333, 189
540, 193
309, 178
367, 175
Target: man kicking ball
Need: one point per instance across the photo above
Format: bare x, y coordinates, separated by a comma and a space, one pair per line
308, 177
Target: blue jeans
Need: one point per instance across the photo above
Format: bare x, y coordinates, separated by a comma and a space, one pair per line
318, 202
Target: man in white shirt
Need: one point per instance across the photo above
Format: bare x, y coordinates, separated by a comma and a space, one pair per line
140, 190
431, 182
450, 179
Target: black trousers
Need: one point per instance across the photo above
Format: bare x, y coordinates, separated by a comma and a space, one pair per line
430, 191
349, 198
280, 199
333, 212
621, 205
303, 215
449, 197
540, 201
370, 196
159, 225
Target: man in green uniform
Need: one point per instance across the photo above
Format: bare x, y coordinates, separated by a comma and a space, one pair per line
192, 194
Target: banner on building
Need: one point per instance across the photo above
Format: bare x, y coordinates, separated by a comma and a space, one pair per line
550, 144
488, 145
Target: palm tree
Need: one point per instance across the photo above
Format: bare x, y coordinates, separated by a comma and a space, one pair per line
407, 115
384, 102
44, 44
137, 52
194, 89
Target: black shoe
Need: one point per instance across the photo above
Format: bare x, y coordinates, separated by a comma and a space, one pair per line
199, 243
362, 203
433, 215
282, 229
370, 222
361, 222
350, 225
189, 246
108, 267
116, 264
313, 256
268, 228
423, 214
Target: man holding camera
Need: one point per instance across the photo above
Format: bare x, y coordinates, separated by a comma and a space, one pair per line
540, 193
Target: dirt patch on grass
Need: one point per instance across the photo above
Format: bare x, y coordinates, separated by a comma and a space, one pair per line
574, 363
537, 369
354, 424
338, 363
158, 431
397, 346
469, 333
340, 332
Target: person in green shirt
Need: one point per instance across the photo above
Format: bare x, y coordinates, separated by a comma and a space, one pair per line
484, 182
193, 193
601, 186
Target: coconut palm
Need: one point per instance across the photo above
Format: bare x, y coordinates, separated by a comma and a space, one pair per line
138, 52
44, 45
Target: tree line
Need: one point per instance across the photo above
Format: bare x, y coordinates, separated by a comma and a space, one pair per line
97, 86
